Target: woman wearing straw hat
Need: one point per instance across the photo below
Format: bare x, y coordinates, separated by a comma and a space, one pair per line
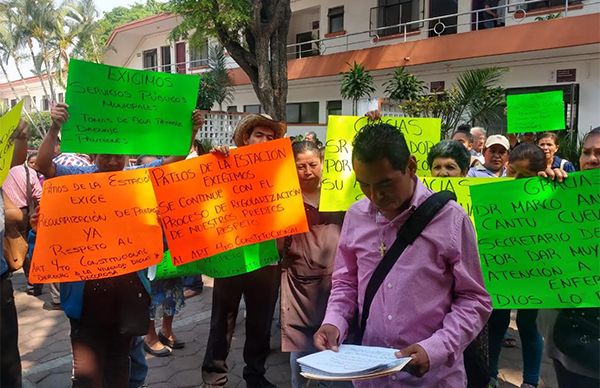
259, 288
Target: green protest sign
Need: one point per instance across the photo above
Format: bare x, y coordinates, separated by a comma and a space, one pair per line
339, 189
538, 241
114, 110
235, 262
535, 112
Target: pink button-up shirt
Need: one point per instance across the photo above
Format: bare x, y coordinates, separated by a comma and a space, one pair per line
433, 296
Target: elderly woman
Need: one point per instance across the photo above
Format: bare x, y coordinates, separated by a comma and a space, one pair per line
449, 158
549, 143
307, 263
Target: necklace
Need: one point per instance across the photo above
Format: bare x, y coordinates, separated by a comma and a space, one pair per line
382, 249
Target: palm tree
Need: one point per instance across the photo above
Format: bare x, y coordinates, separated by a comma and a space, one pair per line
22, 33
9, 49
356, 84
476, 98
403, 86
217, 65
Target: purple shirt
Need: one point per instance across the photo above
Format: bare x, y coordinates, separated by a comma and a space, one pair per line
433, 296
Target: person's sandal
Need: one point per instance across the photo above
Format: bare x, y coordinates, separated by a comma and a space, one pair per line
164, 352
172, 344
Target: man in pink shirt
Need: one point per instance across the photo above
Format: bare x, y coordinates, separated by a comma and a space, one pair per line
432, 303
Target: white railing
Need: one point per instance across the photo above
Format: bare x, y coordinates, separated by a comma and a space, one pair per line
512, 13
219, 126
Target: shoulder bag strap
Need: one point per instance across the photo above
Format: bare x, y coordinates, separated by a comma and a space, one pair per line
407, 234
29, 188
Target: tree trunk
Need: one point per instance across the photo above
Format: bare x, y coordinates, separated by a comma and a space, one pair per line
265, 60
48, 70
30, 44
39, 128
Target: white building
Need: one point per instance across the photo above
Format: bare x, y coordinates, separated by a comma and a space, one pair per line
31, 91
434, 39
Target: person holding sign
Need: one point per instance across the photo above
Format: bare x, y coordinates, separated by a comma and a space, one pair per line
525, 161
10, 359
105, 314
307, 263
432, 302
572, 365
549, 143
495, 154
259, 288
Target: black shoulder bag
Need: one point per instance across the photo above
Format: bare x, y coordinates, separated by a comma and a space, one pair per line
407, 234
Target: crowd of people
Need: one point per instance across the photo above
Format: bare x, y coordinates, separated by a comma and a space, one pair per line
399, 269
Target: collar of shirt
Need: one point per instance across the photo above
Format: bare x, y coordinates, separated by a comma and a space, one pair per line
419, 196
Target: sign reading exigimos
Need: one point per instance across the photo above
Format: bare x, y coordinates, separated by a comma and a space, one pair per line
115, 110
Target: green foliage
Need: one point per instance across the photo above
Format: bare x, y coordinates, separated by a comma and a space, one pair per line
356, 84
548, 17
403, 86
475, 98
217, 65
207, 92
228, 17
122, 15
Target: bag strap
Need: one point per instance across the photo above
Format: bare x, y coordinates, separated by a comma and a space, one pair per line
407, 234
29, 188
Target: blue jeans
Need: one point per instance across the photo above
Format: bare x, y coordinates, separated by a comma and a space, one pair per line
531, 342
193, 282
138, 367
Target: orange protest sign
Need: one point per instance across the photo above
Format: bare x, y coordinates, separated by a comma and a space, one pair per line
95, 226
213, 204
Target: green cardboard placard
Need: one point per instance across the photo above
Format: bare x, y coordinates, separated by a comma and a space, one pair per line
114, 110
535, 112
538, 241
235, 262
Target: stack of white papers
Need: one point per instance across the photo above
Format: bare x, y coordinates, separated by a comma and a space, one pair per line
351, 362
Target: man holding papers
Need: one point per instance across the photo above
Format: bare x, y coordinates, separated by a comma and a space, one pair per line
432, 302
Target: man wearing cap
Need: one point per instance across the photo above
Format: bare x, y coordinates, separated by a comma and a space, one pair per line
259, 288
495, 155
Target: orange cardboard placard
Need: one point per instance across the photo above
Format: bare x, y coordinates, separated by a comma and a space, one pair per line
213, 204
96, 226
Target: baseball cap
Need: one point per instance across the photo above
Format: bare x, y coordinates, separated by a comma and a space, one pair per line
497, 139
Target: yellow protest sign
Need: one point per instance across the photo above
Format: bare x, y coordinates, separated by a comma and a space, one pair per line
8, 124
460, 187
339, 189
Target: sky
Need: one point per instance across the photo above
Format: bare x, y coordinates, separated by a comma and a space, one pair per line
102, 6
107, 5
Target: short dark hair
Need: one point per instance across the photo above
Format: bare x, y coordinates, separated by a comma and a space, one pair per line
467, 133
593, 132
551, 135
450, 149
379, 140
300, 147
463, 128
530, 152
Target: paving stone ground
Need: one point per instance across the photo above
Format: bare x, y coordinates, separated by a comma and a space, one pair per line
46, 353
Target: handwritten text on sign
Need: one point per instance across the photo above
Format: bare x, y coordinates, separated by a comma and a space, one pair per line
213, 204
96, 226
538, 241
231, 263
339, 189
116, 110
460, 187
8, 123
535, 112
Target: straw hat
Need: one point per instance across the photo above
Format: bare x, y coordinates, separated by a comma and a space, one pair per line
248, 123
